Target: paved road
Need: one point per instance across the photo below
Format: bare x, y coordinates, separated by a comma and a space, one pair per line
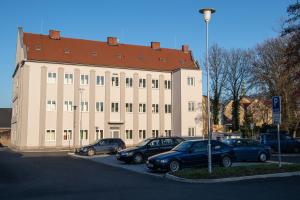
59, 176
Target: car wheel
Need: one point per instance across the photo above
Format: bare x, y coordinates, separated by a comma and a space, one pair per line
138, 158
91, 152
262, 157
118, 149
174, 166
296, 150
226, 161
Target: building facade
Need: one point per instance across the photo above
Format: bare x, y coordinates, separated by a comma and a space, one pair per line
70, 92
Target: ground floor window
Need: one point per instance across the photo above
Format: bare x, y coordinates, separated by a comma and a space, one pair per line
168, 133
128, 134
191, 132
67, 135
142, 134
83, 134
50, 135
99, 134
155, 133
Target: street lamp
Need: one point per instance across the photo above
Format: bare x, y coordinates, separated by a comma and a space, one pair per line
207, 15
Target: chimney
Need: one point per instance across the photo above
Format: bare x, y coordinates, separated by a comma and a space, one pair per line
112, 41
185, 48
155, 45
53, 34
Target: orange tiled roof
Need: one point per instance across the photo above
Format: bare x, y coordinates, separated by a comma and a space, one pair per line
87, 52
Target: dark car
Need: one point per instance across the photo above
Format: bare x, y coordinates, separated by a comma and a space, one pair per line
107, 145
287, 143
249, 150
191, 153
147, 148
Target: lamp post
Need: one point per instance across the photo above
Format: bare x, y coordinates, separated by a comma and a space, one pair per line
207, 15
81, 108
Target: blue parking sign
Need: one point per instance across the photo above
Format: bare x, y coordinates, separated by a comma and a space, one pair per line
276, 108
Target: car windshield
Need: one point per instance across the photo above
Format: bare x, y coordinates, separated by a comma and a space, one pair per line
183, 146
143, 143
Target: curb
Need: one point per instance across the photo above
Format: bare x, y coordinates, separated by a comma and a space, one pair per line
232, 179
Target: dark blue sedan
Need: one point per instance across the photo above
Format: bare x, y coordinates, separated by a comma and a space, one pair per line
249, 150
191, 153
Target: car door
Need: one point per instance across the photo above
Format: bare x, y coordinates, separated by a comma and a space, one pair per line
197, 154
217, 151
241, 150
166, 144
102, 146
153, 147
253, 150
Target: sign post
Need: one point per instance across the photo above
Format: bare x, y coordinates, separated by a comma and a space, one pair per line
252, 127
276, 116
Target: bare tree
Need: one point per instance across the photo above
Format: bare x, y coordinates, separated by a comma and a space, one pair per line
218, 73
238, 62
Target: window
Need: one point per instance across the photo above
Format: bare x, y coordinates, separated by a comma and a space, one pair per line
68, 79
155, 83
167, 142
99, 134
199, 147
67, 135
191, 106
154, 143
129, 134
191, 132
68, 106
142, 83
99, 106
154, 133
142, 108
84, 79
83, 134
154, 108
168, 108
100, 80
128, 82
167, 84
51, 77
115, 81
50, 135
84, 106
128, 107
168, 133
191, 81
114, 107
51, 105
142, 134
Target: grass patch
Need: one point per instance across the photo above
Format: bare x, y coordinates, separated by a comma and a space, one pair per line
220, 172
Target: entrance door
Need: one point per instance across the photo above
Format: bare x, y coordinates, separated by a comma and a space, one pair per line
115, 133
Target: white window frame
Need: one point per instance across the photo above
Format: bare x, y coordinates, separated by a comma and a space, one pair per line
84, 79
191, 131
49, 138
99, 134
128, 135
99, 106
142, 134
168, 108
68, 79
128, 82
142, 83
142, 108
191, 106
100, 80
67, 135
168, 85
155, 108
155, 133
155, 84
84, 106
128, 107
115, 81
191, 81
51, 105
114, 107
51, 77
68, 106
168, 133
82, 133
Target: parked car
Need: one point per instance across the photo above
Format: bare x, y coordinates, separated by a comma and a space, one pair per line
249, 150
191, 154
102, 146
148, 147
287, 143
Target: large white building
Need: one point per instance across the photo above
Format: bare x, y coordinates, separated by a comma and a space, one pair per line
70, 92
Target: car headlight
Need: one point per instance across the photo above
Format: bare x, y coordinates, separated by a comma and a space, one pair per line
164, 161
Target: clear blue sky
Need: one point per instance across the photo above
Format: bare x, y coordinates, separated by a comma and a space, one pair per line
236, 24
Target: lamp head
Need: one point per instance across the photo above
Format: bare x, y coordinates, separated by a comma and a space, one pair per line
207, 13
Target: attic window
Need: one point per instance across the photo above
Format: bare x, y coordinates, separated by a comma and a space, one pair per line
67, 51
94, 53
38, 48
162, 59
